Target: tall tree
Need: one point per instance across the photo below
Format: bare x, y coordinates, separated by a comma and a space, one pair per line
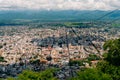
113, 54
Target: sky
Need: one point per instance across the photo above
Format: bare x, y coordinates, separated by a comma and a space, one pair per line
59, 4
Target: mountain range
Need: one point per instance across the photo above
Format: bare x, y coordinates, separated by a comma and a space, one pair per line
63, 15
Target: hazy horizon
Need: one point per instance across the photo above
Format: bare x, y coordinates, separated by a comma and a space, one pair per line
59, 5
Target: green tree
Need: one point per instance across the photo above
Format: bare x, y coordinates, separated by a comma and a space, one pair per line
113, 48
107, 68
31, 75
93, 57
111, 63
91, 74
78, 62
1, 46
2, 59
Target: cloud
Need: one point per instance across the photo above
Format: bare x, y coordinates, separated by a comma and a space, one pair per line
59, 4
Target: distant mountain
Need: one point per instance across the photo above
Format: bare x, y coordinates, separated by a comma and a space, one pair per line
68, 15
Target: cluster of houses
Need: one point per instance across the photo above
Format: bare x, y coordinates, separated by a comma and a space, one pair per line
53, 46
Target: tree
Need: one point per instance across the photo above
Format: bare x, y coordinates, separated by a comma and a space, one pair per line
111, 63
2, 59
91, 74
1, 46
107, 68
113, 55
31, 75
76, 62
93, 57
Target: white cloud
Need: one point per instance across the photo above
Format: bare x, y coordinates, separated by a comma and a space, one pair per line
60, 4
